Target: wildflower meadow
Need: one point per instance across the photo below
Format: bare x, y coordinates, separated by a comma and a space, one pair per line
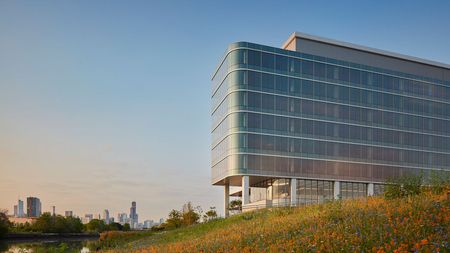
415, 224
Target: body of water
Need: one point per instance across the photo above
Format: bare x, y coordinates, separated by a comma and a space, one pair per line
48, 246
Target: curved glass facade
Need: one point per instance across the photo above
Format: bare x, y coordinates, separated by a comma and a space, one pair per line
279, 113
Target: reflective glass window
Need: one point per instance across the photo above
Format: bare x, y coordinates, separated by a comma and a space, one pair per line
268, 81
254, 80
281, 84
254, 121
355, 76
307, 68
281, 124
254, 100
343, 74
307, 88
254, 141
268, 101
319, 70
295, 65
268, 61
281, 63
267, 143
254, 58
268, 122
333, 72
281, 103
319, 90
294, 86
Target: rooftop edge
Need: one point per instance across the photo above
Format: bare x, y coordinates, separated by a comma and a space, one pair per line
362, 48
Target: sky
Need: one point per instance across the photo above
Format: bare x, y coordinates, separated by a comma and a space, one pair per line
107, 102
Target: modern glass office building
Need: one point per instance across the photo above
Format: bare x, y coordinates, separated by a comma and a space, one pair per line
321, 119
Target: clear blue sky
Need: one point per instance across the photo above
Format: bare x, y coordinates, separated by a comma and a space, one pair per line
105, 102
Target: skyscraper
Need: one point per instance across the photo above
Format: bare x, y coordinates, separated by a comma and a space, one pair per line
68, 213
33, 207
20, 211
122, 218
106, 216
133, 215
321, 119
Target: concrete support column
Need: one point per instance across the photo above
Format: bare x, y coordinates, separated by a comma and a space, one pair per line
337, 190
245, 190
293, 191
226, 200
370, 189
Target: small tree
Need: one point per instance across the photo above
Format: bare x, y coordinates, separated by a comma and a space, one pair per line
4, 223
211, 214
175, 219
96, 225
190, 214
126, 227
403, 187
74, 225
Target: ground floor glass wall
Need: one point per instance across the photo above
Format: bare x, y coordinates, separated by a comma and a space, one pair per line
277, 190
378, 189
350, 190
308, 191
314, 191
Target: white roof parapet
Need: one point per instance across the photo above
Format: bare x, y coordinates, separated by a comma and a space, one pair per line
362, 48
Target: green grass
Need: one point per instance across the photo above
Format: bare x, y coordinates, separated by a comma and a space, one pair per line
126, 241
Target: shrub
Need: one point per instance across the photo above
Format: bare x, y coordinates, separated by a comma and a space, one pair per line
235, 205
160, 227
439, 181
406, 186
210, 215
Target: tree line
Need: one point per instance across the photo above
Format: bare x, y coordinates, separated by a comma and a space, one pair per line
48, 223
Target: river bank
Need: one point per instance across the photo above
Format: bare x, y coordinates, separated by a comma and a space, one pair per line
33, 236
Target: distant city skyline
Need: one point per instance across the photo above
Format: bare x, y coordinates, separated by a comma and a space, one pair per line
104, 103
35, 211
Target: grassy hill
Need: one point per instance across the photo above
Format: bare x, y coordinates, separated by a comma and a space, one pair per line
415, 224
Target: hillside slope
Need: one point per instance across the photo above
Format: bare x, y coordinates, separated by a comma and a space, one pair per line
417, 224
